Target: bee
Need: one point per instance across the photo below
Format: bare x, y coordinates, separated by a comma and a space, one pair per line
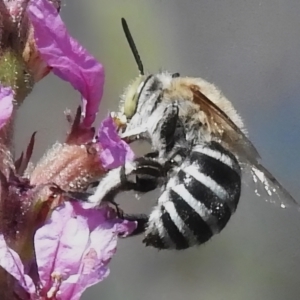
200, 151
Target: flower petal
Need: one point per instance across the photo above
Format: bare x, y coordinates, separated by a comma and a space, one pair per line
11, 262
104, 231
115, 151
69, 60
59, 244
6, 104
77, 245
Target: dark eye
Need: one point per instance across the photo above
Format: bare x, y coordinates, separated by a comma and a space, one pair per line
175, 75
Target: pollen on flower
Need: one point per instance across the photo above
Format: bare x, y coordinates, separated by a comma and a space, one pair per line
57, 279
89, 261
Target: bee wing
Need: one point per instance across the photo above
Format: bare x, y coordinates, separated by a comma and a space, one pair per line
224, 129
274, 192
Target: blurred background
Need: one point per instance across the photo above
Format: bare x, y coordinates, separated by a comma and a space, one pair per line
251, 50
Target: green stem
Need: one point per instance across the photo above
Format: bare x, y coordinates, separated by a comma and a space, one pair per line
14, 73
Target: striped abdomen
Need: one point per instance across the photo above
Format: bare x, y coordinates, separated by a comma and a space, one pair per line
198, 200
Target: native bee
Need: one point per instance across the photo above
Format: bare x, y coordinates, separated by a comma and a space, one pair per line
200, 150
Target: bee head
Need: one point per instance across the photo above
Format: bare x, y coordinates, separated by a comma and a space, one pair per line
131, 96
145, 88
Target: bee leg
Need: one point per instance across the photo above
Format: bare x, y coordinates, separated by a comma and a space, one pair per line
119, 211
169, 124
148, 173
78, 196
153, 154
172, 128
141, 219
83, 196
134, 134
94, 184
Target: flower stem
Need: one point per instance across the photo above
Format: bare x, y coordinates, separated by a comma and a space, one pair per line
14, 73
6, 282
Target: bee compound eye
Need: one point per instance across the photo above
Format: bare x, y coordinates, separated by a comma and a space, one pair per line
175, 75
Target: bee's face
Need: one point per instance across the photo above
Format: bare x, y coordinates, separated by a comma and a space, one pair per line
131, 96
140, 103
143, 94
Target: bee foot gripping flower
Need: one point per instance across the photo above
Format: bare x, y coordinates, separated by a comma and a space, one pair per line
50, 248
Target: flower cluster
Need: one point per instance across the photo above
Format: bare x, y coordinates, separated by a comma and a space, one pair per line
50, 247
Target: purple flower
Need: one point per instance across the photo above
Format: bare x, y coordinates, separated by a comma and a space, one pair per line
72, 252
16, 33
69, 60
115, 151
6, 104
11, 262
77, 244
51, 248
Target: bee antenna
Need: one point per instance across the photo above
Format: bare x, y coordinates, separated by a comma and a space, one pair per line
132, 46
